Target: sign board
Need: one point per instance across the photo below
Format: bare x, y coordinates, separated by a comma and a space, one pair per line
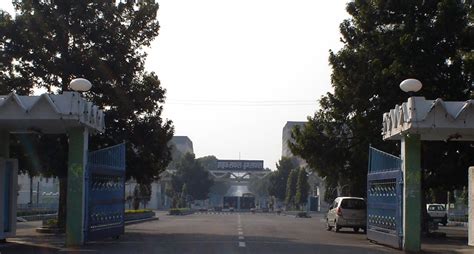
244, 165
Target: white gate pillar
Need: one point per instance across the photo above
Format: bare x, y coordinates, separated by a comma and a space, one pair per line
471, 207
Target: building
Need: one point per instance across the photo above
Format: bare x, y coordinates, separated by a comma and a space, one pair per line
37, 191
181, 145
286, 137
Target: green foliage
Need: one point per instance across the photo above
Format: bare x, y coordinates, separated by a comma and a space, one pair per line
302, 188
141, 194
180, 211
138, 211
51, 223
291, 188
279, 178
190, 172
464, 196
208, 162
260, 186
386, 42
183, 196
48, 43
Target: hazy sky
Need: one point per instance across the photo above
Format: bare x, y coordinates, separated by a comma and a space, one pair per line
236, 71
218, 59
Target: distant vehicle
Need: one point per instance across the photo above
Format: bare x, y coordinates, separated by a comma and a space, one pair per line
347, 212
438, 213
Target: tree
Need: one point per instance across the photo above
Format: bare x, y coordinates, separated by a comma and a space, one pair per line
260, 186
302, 188
291, 188
48, 43
184, 196
208, 162
279, 178
190, 172
386, 42
141, 194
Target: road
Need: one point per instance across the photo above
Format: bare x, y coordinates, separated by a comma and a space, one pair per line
224, 233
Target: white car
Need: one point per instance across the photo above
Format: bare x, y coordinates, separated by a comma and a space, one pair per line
438, 213
347, 212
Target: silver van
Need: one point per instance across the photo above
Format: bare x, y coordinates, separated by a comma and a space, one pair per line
347, 212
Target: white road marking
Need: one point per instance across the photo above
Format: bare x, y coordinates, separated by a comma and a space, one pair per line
241, 233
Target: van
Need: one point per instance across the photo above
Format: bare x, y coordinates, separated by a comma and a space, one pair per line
347, 212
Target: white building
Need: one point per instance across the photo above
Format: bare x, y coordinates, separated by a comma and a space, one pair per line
38, 191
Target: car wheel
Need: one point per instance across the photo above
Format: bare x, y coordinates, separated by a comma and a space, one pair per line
337, 227
356, 229
328, 227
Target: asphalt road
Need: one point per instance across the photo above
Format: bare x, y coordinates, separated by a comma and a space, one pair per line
227, 233
220, 233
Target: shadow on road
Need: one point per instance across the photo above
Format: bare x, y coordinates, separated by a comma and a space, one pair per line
162, 243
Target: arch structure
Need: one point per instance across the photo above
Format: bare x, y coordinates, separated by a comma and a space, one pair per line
416, 120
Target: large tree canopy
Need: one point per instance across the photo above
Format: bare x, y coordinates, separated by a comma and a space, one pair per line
278, 179
189, 171
48, 43
386, 42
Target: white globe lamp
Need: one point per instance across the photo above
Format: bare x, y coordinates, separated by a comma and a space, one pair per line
411, 85
80, 85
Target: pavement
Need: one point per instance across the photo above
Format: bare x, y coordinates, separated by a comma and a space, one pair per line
227, 232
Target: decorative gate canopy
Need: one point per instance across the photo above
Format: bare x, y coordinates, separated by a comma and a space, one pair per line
49, 113
431, 119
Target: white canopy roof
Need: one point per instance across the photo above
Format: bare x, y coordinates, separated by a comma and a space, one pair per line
432, 119
49, 113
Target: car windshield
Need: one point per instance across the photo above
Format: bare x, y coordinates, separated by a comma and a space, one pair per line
353, 204
435, 208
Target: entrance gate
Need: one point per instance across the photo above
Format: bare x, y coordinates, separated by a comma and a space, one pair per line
384, 199
105, 193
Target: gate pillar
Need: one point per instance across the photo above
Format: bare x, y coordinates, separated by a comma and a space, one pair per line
411, 192
77, 160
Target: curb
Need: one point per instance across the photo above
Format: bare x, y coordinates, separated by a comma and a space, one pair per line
131, 222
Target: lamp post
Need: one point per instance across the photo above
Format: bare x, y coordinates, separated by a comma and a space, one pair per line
411, 146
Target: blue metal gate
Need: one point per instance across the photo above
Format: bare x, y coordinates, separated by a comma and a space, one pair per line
384, 199
105, 193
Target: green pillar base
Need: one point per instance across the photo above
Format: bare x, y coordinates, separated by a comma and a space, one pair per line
411, 147
78, 143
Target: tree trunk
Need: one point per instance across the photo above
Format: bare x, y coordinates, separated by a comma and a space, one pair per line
62, 202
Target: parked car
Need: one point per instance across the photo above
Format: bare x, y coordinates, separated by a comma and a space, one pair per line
437, 213
347, 212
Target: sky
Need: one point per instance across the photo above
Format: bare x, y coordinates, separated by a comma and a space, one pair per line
236, 71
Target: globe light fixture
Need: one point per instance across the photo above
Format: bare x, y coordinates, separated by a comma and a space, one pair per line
411, 85
80, 85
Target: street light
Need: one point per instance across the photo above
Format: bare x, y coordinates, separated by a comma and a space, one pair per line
80, 85
411, 85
